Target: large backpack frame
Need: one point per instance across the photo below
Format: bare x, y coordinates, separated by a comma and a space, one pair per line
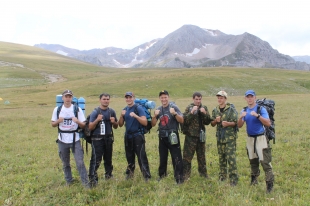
269, 105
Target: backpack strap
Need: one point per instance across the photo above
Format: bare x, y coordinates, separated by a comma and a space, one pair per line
259, 109
75, 111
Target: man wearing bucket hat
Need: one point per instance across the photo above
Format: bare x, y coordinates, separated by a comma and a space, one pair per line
225, 119
258, 146
68, 137
135, 119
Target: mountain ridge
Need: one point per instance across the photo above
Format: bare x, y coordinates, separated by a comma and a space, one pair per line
189, 46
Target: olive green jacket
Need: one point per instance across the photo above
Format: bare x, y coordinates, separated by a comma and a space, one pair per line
229, 114
191, 121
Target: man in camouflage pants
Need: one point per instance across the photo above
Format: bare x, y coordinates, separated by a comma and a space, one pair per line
195, 117
225, 118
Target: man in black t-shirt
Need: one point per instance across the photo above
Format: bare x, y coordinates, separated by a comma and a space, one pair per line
102, 119
170, 116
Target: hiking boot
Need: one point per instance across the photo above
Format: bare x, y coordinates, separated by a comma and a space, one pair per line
269, 186
204, 175
180, 181
72, 182
233, 183
107, 177
161, 177
129, 176
93, 183
222, 179
254, 180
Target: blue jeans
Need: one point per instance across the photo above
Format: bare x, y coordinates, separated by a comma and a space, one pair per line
64, 154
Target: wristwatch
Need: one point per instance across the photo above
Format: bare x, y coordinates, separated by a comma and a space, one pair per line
258, 116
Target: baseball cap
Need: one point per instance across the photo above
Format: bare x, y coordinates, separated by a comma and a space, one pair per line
163, 92
129, 94
250, 92
67, 92
222, 93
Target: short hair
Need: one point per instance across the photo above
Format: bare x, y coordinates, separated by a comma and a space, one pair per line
104, 94
197, 94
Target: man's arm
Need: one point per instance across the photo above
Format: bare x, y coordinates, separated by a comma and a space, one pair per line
121, 118
57, 122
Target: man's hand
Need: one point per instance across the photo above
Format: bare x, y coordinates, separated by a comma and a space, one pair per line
202, 110
172, 111
112, 119
99, 118
60, 119
156, 112
123, 113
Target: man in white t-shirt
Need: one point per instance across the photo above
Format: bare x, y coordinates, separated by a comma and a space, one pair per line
68, 118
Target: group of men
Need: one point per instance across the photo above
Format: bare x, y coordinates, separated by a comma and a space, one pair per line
193, 121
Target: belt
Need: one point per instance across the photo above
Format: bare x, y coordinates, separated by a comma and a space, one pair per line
256, 135
133, 134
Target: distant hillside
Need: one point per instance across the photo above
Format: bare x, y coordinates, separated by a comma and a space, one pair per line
302, 59
187, 47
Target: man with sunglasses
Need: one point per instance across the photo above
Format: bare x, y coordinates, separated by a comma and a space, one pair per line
101, 121
135, 119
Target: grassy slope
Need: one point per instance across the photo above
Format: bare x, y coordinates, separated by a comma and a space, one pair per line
31, 171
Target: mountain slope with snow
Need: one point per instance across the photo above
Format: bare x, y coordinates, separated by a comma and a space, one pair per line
188, 46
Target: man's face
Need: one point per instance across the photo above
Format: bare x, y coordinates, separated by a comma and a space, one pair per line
250, 99
197, 101
129, 100
67, 98
221, 100
105, 101
164, 99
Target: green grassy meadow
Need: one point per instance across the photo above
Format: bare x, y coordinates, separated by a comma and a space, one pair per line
31, 170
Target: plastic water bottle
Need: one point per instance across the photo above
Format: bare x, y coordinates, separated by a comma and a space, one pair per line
102, 128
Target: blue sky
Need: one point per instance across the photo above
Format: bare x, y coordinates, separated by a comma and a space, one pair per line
128, 23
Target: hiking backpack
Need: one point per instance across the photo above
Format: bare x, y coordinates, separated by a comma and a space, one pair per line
148, 127
269, 105
86, 133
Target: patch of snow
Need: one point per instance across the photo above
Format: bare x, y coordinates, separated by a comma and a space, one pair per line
140, 50
62, 53
196, 51
206, 45
110, 53
210, 32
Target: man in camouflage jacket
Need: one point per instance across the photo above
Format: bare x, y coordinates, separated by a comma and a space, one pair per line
196, 116
225, 118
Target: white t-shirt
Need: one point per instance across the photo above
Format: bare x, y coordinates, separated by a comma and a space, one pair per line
68, 124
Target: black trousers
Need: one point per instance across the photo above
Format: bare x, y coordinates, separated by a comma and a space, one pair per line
101, 149
176, 156
136, 146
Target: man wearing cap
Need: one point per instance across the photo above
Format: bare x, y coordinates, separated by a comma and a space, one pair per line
258, 146
68, 118
135, 119
196, 116
225, 118
101, 121
170, 116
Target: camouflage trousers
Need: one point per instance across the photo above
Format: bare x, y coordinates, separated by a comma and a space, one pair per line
259, 151
191, 145
227, 156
